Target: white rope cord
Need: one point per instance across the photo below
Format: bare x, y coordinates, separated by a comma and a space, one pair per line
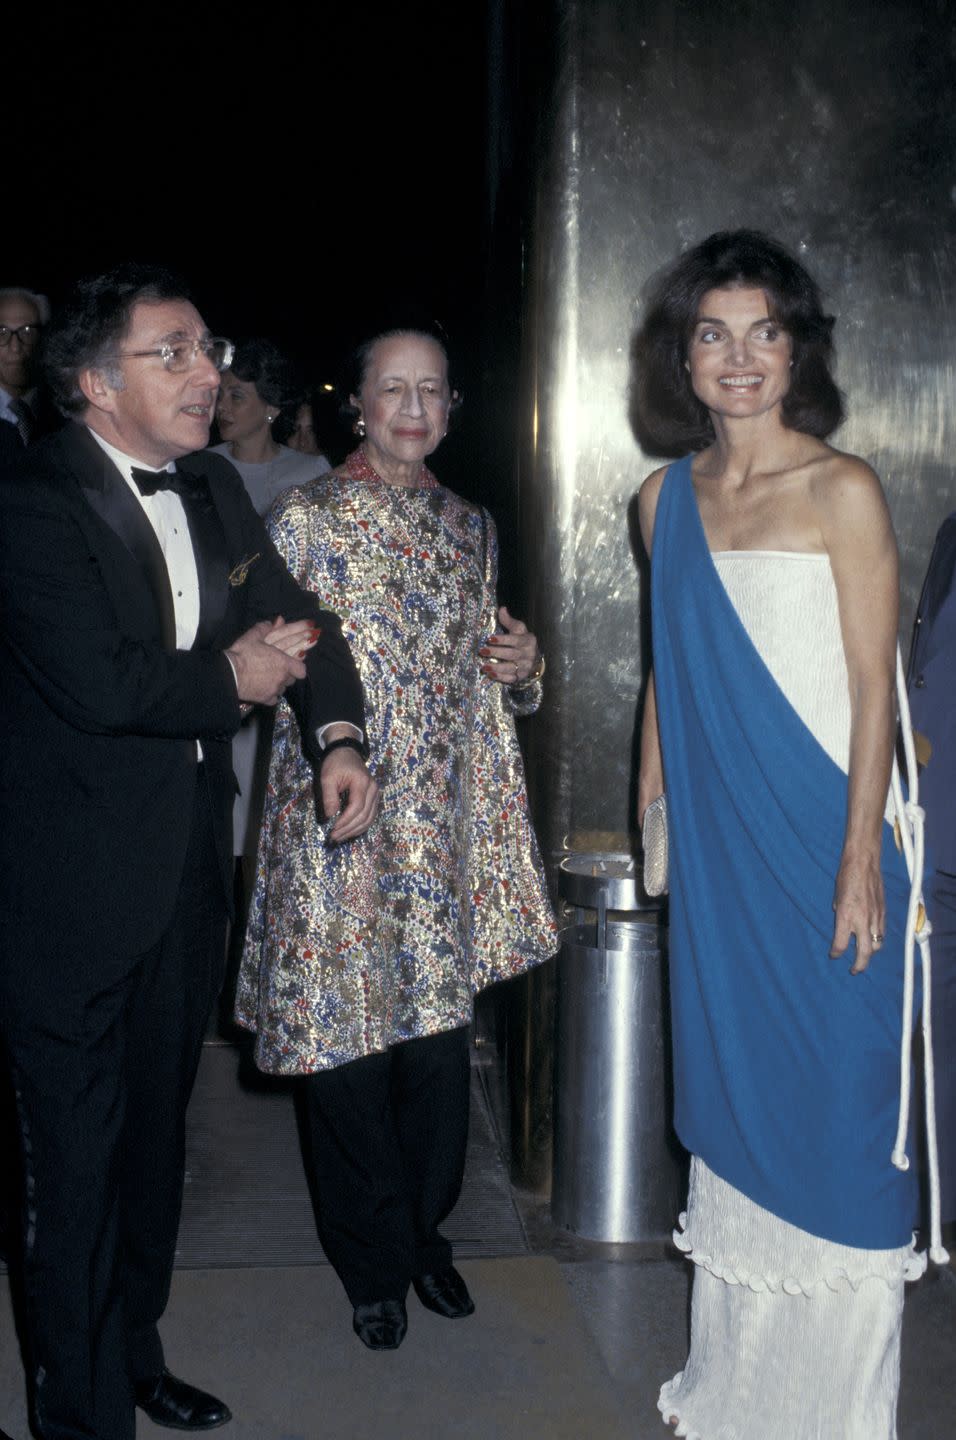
918, 929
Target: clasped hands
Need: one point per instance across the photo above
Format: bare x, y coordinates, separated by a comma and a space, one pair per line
512, 657
268, 659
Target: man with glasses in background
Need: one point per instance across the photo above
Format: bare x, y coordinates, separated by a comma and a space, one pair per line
23, 410
141, 607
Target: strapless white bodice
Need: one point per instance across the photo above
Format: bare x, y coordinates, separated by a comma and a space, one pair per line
787, 603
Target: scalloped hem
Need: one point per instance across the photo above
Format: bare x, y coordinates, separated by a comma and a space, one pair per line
906, 1265
670, 1412
738, 1241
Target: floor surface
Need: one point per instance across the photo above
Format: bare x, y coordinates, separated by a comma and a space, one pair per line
570, 1341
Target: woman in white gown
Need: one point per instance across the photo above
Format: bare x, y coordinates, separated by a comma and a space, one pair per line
770, 723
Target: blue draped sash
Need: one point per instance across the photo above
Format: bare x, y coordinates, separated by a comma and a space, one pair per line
786, 1066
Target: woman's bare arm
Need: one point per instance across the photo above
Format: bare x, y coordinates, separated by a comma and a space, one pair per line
858, 534
651, 779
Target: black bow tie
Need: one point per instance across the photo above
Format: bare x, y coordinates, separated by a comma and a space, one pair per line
149, 481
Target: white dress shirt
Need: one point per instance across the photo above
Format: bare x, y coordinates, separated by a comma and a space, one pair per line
166, 515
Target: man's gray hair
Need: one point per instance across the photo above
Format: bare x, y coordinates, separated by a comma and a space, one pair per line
20, 292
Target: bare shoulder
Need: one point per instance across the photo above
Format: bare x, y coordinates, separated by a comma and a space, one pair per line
838, 481
850, 505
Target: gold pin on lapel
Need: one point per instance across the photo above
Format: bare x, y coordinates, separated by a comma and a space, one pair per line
241, 572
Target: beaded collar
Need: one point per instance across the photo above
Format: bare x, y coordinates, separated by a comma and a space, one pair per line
358, 467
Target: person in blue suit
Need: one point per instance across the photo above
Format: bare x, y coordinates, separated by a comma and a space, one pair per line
931, 682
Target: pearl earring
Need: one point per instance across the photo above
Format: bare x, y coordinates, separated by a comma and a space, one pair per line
360, 428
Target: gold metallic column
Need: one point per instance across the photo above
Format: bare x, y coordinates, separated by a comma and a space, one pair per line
833, 129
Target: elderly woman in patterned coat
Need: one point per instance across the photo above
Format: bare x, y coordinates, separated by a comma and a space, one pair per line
362, 960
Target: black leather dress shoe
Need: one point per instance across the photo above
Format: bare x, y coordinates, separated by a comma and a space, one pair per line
445, 1292
171, 1402
381, 1325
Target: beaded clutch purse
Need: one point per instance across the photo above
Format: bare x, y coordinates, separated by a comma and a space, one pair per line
654, 840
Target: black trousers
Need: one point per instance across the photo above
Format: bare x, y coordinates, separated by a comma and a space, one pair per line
9, 1159
388, 1136
104, 1063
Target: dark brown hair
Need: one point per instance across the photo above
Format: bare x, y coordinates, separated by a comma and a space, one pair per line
666, 415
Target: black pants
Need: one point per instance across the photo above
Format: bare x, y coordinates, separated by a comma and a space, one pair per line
388, 1135
9, 1160
104, 1064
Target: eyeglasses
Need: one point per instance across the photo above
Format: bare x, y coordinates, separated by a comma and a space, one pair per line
25, 334
178, 355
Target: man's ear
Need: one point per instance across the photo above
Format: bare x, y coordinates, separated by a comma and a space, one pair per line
97, 389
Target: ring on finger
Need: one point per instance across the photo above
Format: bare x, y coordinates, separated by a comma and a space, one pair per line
877, 937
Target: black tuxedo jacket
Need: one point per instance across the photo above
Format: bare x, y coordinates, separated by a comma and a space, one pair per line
931, 684
46, 420
11, 446
99, 713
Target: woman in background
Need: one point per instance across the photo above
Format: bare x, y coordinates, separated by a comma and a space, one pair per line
302, 436
770, 724
258, 388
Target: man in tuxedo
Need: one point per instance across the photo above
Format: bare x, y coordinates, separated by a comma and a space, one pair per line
25, 416
141, 607
25, 411
931, 685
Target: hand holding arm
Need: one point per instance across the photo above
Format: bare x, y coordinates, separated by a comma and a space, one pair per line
295, 637
263, 671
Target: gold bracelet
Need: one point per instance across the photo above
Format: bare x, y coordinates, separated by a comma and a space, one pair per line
537, 671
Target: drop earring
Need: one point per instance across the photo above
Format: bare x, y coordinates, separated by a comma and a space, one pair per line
360, 428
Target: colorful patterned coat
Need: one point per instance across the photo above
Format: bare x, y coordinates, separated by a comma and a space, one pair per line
386, 938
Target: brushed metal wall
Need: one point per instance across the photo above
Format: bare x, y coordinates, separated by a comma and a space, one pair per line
831, 128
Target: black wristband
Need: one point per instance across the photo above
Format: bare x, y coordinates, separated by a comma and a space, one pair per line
344, 741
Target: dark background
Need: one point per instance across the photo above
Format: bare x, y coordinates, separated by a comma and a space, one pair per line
309, 169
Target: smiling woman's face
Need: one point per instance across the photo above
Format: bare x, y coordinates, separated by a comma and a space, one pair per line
404, 399
738, 356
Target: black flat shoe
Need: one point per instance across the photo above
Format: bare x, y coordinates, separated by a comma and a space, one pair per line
171, 1402
445, 1292
381, 1325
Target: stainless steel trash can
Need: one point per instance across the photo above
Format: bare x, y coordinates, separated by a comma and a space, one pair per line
617, 1164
